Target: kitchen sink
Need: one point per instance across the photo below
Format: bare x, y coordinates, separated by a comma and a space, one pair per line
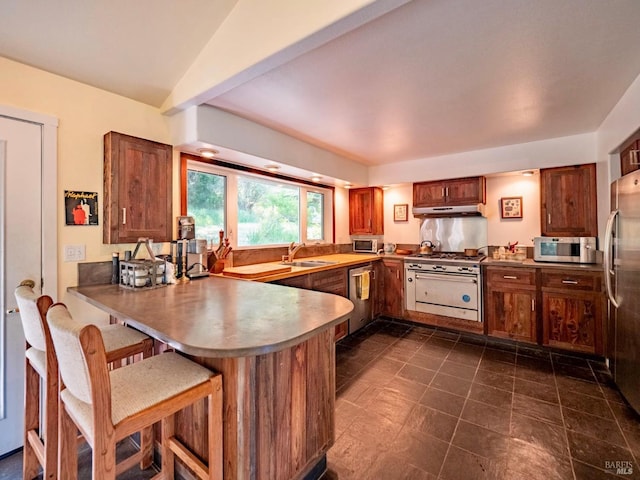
309, 263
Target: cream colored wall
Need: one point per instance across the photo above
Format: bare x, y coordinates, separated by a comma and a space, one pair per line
504, 231
501, 231
85, 114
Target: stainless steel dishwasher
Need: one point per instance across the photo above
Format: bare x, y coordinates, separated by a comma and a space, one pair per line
361, 296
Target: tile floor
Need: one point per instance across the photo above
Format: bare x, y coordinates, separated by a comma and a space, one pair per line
417, 403
420, 403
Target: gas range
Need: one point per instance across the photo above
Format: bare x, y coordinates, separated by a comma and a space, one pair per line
444, 261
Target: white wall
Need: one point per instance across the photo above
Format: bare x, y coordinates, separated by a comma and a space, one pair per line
85, 114
501, 231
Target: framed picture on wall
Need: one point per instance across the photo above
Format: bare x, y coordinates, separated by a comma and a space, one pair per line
511, 207
401, 212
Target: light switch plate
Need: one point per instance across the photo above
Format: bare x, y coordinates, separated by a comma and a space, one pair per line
74, 253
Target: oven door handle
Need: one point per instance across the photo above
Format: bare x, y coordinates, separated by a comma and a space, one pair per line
447, 278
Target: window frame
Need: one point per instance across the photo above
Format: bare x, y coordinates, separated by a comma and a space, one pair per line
233, 171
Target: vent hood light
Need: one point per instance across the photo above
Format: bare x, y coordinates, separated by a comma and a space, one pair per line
207, 152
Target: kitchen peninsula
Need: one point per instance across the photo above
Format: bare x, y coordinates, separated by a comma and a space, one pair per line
275, 349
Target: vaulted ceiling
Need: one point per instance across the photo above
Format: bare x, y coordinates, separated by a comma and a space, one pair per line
429, 77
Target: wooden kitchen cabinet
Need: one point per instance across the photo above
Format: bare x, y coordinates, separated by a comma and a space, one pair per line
460, 191
568, 201
366, 211
630, 156
137, 189
573, 305
392, 288
333, 281
510, 303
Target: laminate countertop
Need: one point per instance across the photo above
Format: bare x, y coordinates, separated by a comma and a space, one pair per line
216, 317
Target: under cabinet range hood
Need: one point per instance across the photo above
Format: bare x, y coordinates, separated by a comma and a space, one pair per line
476, 210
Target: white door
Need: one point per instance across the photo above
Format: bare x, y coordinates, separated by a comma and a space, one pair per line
21, 236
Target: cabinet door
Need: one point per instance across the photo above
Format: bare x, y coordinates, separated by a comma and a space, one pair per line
572, 321
511, 313
429, 194
466, 191
568, 201
137, 189
629, 158
366, 211
393, 285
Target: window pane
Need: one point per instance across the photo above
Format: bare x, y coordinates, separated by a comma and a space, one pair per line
206, 203
315, 216
268, 213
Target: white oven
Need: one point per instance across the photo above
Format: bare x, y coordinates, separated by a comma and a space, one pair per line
448, 289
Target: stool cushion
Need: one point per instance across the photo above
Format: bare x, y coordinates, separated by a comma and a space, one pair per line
139, 386
38, 360
119, 336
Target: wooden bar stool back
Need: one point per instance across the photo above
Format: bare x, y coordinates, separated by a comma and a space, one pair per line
41, 441
108, 406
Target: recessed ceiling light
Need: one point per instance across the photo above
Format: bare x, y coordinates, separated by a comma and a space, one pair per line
385, 187
528, 173
316, 178
272, 168
347, 185
208, 152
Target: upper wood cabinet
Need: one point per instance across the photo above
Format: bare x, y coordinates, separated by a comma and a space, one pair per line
137, 189
366, 211
630, 156
568, 201
460, 191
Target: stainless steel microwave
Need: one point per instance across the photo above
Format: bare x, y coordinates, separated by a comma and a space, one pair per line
365, 245
565, 249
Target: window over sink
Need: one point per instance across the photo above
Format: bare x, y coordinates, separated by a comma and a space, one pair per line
256, 210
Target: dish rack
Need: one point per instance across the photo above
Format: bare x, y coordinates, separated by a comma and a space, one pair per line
144, 273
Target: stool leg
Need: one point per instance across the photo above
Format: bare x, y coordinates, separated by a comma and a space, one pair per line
51, 426
215, 429
146, 435
30, 464
68, 436
168, 431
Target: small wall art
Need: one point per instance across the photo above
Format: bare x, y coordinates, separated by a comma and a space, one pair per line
401, 212
81, 208
511, 207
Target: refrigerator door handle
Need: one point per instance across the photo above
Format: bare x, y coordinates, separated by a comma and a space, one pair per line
608, 257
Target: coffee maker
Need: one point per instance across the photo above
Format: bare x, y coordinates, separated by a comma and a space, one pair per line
197, 258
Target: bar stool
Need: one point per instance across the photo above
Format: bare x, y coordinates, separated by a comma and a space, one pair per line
108, 406
121, 342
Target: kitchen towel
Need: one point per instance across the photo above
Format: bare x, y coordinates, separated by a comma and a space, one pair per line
364, 293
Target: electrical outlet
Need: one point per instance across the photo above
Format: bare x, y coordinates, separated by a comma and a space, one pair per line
74, 253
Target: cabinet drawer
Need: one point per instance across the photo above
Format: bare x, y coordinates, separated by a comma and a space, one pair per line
511, 276
572, 281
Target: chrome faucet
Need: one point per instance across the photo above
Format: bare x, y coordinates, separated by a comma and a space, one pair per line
293, 249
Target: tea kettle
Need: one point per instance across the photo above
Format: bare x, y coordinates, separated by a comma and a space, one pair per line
389, 247
426, 247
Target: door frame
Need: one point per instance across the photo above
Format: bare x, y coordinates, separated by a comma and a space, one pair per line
49, 205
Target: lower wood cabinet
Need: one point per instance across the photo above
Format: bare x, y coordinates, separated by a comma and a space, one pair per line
392, 288
573, 306
333, 281
510, 303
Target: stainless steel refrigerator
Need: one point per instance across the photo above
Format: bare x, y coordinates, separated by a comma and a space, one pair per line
622, 278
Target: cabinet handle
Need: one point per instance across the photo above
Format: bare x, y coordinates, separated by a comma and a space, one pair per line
443, 194
533, 304
570, 282
634, 157
398, 274
510, 277
124, 216
446, 190
548, 219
